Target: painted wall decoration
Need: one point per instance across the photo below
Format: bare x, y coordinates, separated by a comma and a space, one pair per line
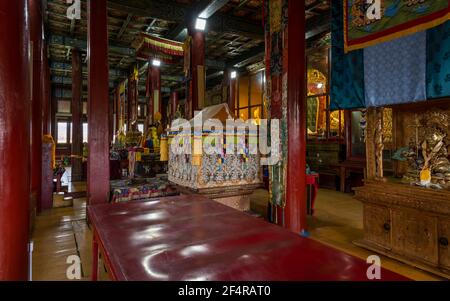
275, 24
191, 167
214, 170
369, 22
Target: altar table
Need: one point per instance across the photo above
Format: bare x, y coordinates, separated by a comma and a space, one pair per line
190, 237
138, 189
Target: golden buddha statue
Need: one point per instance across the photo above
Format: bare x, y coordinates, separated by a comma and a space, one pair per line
429, 156
133, 137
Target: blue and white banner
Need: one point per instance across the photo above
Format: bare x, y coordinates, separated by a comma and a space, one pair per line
395, 71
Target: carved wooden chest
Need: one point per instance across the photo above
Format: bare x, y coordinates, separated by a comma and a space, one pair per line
407, 223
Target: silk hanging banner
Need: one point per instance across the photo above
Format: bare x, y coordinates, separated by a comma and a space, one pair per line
369, 22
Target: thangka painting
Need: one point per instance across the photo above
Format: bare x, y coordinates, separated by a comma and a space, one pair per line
368, 22
275, 21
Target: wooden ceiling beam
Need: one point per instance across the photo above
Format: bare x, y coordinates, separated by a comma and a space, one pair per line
81, 44
63, 66
318, 27
178, 33
158, 9
212, 8
124, 26
72, 26
165, 10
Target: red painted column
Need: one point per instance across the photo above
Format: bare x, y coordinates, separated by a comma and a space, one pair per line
295, 217
35, 10
197, 63
174, 99
46, 102
117, 108
111, 116
98, 103
47, 169
232, 94
132, 101
15, 105
53, 109
77, 127
155, 94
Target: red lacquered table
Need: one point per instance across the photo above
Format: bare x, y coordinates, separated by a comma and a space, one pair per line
194, 238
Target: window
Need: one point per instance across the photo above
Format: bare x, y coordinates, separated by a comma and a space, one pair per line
64, 132
140, 127
249, 100
84, 107
85, 132
64, 106
322, 124
142, 111
62, 129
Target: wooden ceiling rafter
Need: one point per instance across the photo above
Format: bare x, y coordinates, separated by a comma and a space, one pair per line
234, 36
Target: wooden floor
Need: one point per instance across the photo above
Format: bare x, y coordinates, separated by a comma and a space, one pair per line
60, 233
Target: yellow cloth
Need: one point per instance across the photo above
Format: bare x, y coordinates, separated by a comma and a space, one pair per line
138, 156
164, 150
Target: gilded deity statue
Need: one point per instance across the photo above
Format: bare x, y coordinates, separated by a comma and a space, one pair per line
428, 155
133, 137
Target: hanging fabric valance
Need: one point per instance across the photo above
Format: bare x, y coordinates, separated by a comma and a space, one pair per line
149, 47
368, 23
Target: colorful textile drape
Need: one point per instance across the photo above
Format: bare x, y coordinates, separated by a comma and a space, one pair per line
150, 47
347, 71
438, 61
367, 23
395, 71
408, 69
159, 45
275, 24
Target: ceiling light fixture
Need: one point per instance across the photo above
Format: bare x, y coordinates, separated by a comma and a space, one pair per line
156, 63
200, 24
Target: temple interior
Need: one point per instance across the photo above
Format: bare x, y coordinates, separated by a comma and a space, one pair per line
224, 140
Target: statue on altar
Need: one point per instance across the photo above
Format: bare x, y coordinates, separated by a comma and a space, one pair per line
428, 153
133, 137
152, 141
119, 140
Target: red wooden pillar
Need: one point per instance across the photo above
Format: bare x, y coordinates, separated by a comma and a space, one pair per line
98, 103
174, 99
155, 92
132, 101
117, 108
112, 98
77, 128
197, 71
35, 10
296, 115
53, 109
46, 102
47, 169
164, 105
15, 98
232, 93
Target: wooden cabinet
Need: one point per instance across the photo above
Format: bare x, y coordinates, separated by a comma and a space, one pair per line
321, 157
415, 235
377, 225
444, 248
407, 223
